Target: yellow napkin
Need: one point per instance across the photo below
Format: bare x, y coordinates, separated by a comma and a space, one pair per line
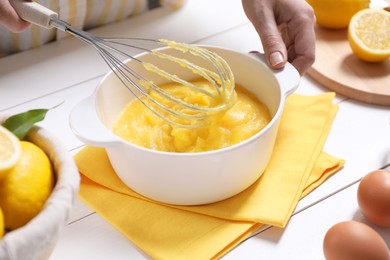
298, 165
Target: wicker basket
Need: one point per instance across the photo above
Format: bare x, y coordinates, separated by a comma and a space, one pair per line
37, 238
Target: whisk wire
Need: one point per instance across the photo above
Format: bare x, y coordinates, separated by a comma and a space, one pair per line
112, 62
175, 108
182, 62
123, 72
190, 115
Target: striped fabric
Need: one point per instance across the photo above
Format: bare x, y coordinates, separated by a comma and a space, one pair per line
82, 14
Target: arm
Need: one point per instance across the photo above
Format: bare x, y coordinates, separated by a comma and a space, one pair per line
286, 30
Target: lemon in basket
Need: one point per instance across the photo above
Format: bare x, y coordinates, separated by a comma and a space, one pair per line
10, 151
369, 35
336, 14
26, 187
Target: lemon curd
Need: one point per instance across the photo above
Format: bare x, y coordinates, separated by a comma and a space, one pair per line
246, 117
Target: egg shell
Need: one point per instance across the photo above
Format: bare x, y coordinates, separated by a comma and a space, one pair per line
374, 197
352, 240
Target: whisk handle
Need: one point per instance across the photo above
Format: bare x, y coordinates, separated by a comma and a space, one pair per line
34, 13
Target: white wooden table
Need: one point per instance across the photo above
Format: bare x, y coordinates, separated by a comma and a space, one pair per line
68, 71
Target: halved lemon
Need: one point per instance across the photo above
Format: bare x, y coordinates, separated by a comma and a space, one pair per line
10, 150
369, 35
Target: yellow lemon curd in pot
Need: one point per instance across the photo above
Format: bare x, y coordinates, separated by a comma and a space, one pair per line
246, 117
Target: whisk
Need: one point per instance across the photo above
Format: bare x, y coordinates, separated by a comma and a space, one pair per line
115, 53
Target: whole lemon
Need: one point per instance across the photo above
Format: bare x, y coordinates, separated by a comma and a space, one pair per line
26, 187
336, 14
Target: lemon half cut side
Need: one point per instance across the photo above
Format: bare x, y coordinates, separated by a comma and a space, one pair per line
369, 35
10, 150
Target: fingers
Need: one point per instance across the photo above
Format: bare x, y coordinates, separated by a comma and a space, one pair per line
302, 50
262, 17
286, 30
10, 19
274, 47
303, 58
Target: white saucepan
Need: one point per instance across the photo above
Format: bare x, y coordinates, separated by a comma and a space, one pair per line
188, 178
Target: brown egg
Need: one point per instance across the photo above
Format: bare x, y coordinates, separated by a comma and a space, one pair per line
352, 240
374, 197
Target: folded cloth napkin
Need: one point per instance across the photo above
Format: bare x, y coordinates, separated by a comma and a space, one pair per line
298, 165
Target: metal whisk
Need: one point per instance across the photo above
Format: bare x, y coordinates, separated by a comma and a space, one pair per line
174, 109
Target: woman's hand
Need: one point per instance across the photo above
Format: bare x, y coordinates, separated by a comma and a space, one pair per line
286, 30
10, 19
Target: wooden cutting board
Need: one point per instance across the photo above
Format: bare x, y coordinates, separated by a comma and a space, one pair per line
339, 70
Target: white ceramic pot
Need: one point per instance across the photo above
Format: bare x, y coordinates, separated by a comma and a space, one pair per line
188, 178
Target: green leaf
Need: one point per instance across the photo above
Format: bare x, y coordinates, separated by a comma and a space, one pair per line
20, 124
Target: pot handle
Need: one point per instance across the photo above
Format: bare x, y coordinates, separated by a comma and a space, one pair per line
288, 77
87, 126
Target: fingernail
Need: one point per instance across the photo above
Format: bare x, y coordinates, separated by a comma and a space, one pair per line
275, 58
